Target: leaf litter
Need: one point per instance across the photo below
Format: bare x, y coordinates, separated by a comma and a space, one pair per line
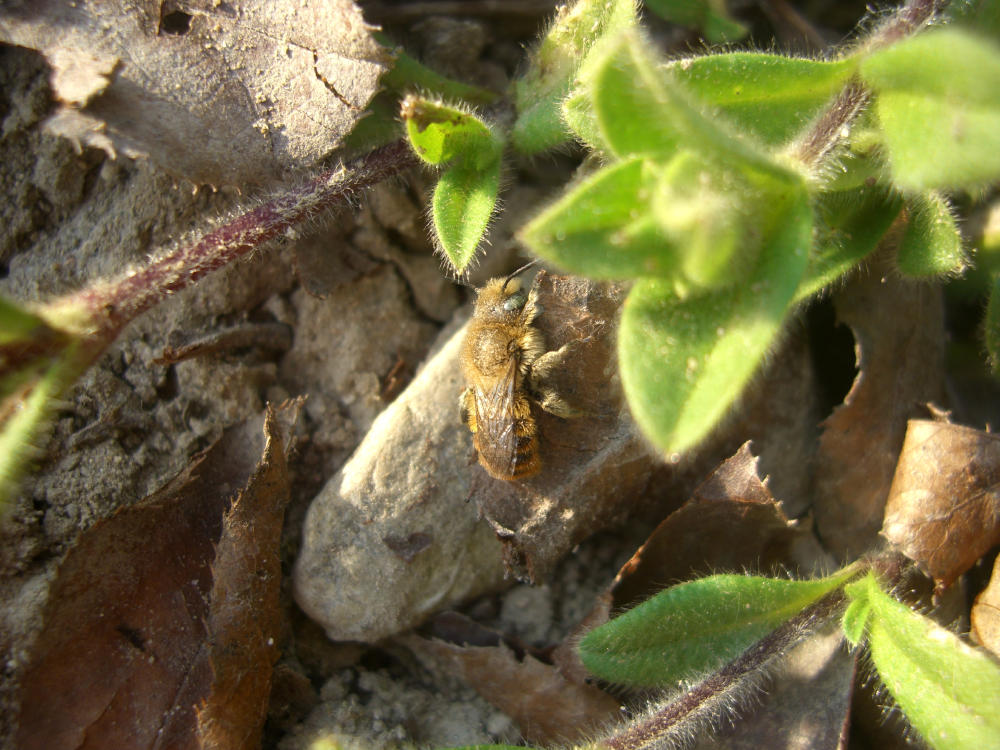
221, 94
162, 623
943, 510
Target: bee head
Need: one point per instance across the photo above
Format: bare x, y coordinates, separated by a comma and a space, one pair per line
503, 298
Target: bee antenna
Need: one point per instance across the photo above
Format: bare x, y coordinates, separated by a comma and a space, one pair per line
518, 272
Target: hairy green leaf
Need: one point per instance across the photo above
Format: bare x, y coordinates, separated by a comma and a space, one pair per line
440, 133
578, 114
462, 205
771, 96
949, 691
641, 109
710, 16
466, 193
603, 228
18, 324
538, 95
932, 244
28, 408
855, 620
685, 361
938, 102
696, 626
850, 224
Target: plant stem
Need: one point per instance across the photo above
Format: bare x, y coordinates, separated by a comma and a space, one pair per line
111, 306
829, 129
706, 699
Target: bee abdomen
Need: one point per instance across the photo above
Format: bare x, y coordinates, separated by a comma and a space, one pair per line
526, 462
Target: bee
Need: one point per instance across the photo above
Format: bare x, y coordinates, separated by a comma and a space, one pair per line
505, 367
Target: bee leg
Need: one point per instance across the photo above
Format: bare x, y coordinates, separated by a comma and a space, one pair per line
532, 309
467, 410
546, 396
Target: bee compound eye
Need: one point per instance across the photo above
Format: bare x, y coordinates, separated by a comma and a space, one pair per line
514, 302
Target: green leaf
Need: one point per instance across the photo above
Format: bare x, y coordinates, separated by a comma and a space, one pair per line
641, 109
938, 102
850, 225
17, 324
684, 362
603, 228
772, 96
932, 244
991, 326
712, 215
949, 691
539, 93
578, 114
696, 626
466, 193
855, 620
462, 205
710, 16
440, 133
29, 408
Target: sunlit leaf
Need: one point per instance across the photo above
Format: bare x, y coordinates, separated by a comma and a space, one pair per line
466, 194
641, 108
771, 96
463, 202
938, 102
948, 691
685, 361
538, 95
932, 244
695, 626
604, 228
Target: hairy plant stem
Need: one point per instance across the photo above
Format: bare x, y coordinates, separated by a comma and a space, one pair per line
110, 306
675, 721
835, 121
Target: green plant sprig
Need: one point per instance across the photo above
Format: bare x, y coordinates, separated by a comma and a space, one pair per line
732, 187
949, 691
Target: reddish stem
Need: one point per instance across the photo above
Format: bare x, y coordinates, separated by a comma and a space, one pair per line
116, 304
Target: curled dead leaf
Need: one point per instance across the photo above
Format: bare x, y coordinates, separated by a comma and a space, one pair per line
944, 505
899, 335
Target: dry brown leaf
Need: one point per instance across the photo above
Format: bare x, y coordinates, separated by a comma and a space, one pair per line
986, 613
731, 523
944, 506
231, 93
124, 655
898, 330
548, 708
244, 617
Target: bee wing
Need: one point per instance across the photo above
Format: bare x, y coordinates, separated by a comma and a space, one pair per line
496, 438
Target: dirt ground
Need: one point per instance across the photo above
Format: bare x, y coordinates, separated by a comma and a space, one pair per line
344, 313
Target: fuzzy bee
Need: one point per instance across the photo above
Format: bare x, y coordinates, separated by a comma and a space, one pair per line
505, 367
